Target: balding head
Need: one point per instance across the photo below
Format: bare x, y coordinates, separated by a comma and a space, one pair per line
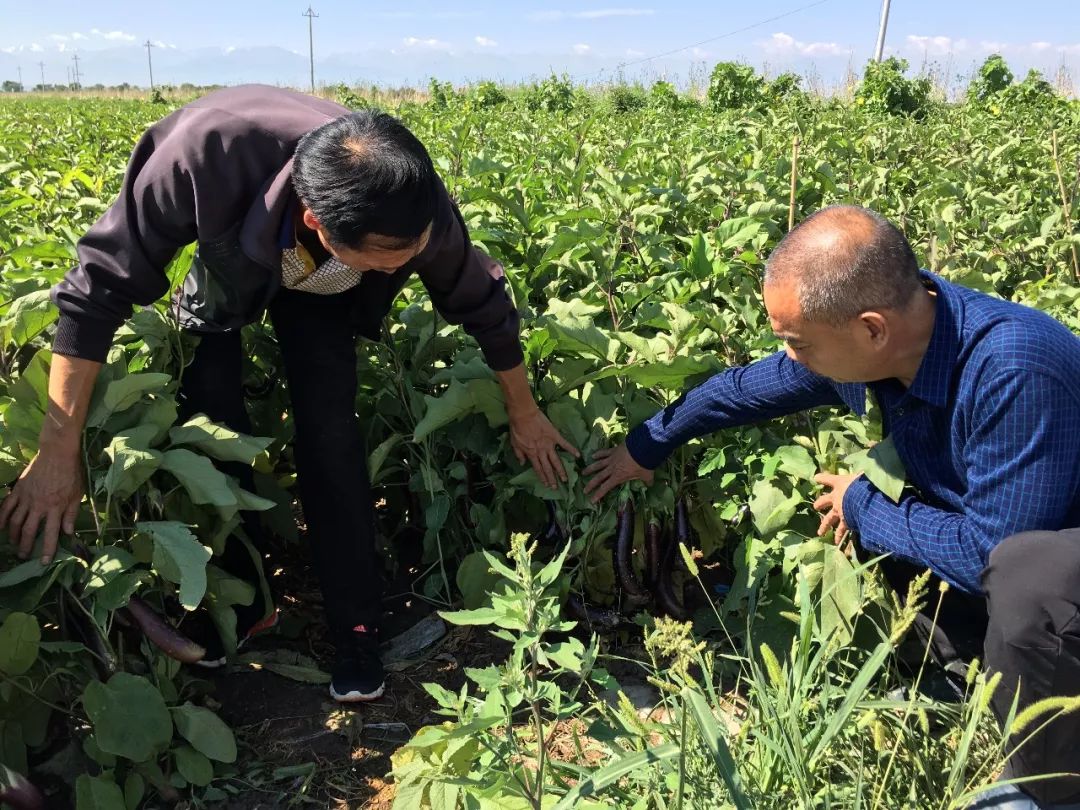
845, 260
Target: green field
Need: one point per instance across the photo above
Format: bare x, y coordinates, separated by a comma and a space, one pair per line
633, 224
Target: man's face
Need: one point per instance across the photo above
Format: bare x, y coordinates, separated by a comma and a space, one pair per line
378, 253
851, 352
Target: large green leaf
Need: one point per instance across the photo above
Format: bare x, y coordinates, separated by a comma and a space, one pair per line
206, 732
128, 715
459, 400
131, 466
882, 466
26, 318
771, 508
20, 636
119, 395
179, 557
98, 793
203, 482
218, 441
193, 766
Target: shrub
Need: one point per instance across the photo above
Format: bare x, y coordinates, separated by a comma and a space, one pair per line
993, 77
553, 94
488, 94
885, 89
734, 86
623, 99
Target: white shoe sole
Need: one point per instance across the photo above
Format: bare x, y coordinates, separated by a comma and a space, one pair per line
356, 696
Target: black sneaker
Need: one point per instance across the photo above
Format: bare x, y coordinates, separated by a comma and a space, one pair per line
358, 674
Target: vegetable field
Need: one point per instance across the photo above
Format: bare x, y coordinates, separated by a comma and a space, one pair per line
633, 225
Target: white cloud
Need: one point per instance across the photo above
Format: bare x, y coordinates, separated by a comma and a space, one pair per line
581, 49
230, 49
11, 49
632, 53
430, 43
700, 53
484, 42
113, 35
594, 14
35, 48
77, 35
58, 37
937, 45
781, 44
61, 47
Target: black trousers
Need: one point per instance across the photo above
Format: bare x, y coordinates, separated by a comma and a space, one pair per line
1030, 624
317, 336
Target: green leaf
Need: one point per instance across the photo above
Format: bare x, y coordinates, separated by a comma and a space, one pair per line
193, 766
883, 468
129, 716
476, 580
20, 636
203, 482
770, 508
206, 732
26, 318
796, 461
613, 772
218, 441
179, 557
119, 395
98, 793
131, 467
713, 737
459, 400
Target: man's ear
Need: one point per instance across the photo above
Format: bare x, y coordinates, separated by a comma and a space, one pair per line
309, 220
876, 327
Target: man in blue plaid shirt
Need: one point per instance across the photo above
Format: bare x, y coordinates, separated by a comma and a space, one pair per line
982, 400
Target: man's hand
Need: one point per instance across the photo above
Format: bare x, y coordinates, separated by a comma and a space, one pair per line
47, 494
535, 439
611, 468
831, 504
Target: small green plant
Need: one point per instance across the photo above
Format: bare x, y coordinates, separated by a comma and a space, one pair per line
440, 94
734, 86
487, 95
886, 90
991, 79
622, 99
553, 94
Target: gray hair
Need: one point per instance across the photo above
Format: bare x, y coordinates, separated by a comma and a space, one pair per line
846, 260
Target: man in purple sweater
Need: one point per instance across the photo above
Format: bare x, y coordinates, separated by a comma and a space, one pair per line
982, 400
318, 216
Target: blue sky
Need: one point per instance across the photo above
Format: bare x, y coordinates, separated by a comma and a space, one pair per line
392, 43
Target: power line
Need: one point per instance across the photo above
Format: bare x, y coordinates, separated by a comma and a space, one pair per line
714, 39
311, 15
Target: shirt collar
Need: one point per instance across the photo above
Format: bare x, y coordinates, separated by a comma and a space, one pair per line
934, 378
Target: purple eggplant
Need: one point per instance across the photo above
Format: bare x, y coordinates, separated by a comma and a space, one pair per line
162, 634
624, 549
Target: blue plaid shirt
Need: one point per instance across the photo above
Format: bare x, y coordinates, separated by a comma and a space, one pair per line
989, 431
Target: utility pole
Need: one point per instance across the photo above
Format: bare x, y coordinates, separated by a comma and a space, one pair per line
42, 66
21, 88
67, 72
881, 30
75, 58
150, 63
311, 15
